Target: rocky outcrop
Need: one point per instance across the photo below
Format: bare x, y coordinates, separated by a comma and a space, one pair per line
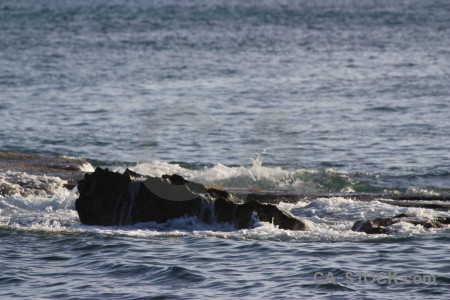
70, 169
49, 173
103, 197
372, 226
33, 175
242, 215
379, 225
108, 198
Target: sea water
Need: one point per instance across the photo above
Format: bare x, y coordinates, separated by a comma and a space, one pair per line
304, 96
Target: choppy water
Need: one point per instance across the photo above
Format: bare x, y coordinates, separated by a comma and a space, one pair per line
341, 95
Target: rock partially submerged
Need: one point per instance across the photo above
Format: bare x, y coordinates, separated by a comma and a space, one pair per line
121, 199
108, 198
39, 175
379, 225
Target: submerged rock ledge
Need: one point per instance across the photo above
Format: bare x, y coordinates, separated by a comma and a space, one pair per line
114, 199
108, 198
47, 173
381, 225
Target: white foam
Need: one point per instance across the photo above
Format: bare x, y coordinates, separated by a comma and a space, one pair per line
20, 183
405, 229
422, 191
52, 208
32, 212
327, 223
87, 168
254, 176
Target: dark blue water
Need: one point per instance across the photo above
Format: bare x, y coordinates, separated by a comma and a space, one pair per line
341, 95
86, 266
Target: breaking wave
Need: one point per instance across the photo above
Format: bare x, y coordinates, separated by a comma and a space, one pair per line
258, 176
330, 219
39, 202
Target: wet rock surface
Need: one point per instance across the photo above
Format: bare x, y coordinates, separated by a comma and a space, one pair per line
108, 198
122, 199
379, 225
38, 175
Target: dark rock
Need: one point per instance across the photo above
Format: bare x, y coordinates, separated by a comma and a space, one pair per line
164, 190
241, 215
196, 187
418, 203
270, 213
108, 198
275, 197
179, 180
103, 195
161, 201
400, 216
378, 225
373, 226
175, 179
132, 174
444, 220
216, 193
426, 223
70, 169
6, 189
73, 169
236, 214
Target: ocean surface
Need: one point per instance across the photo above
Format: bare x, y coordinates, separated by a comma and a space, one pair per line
305, 96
